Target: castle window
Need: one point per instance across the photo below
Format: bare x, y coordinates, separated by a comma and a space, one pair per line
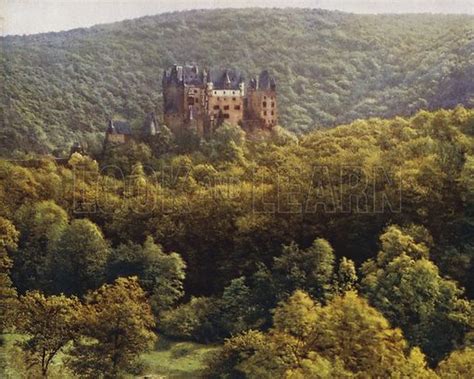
195, 91
226, 107
233, 92
225, 115
233, 99
215, 92
237, 107
264, 113
216, 107
264, 97
273, 104
224, 92
273, 113
264, 104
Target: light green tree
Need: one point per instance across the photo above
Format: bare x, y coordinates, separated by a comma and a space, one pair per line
49, 323
346, 338
116, 327
459, 364
408, 289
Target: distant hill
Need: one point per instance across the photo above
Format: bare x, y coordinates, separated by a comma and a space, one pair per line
331, 68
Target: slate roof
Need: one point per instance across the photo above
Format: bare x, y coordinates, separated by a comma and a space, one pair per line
188, 74
264, 82
225, 79
119, 127
193, 75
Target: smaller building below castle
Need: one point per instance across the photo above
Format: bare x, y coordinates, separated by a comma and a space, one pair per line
118, 131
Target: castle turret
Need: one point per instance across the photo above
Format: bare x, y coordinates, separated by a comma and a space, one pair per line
150, 125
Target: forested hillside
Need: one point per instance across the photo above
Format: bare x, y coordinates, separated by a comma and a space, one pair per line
331, 68
343, 251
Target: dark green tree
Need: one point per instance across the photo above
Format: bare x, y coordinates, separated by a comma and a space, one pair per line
80, 258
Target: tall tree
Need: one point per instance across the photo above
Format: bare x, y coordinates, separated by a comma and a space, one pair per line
308, 269
8, 242
49, 323
162, 276
80, 258
41, 225
408, 289
117, 326
345, 277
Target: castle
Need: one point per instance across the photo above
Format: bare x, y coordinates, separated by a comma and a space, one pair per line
204, 99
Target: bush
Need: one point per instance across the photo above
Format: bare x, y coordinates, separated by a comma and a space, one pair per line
190, 320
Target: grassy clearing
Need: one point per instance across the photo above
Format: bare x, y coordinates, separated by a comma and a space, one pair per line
173, 359
170, 359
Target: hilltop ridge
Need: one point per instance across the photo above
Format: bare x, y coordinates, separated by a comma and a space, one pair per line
332, 68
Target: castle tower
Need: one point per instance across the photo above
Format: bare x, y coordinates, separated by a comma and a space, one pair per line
173, 97
183, 96
261, 112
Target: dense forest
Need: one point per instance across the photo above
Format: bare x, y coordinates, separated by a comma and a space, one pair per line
331, 67
345, 253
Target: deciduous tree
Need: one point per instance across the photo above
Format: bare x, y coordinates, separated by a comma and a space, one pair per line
8, 242
80, 258
49, 324
116, 327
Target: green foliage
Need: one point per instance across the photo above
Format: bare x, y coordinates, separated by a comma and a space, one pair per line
331, 68
191, 321
410, 292
296, 316
80, 258
227, 143
8, 242
310, 269
225, 363
160, 274
234, 307
459, 364
119, 159
345, 338
232, 215
50, 324
346, 276
41, 225
116, 327
229, 219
